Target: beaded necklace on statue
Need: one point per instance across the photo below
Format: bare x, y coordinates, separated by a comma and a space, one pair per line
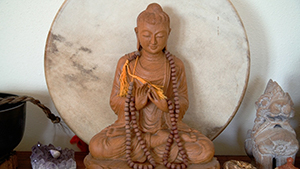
131, 119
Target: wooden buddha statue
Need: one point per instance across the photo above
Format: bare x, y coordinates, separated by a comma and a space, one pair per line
150, 98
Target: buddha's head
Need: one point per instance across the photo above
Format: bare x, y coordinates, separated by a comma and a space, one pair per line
153, 29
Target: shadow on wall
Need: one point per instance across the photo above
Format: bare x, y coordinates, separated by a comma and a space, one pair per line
293, 80
247, 111
295, 122
38, 127
233, 143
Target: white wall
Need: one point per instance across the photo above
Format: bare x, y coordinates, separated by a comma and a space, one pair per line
273, 29
273, 33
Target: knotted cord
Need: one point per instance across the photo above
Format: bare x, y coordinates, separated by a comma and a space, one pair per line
17, 99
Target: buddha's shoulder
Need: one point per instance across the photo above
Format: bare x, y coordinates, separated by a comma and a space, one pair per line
125, 57
178, 61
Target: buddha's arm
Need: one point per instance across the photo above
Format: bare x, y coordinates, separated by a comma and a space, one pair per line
182, 88
117, 103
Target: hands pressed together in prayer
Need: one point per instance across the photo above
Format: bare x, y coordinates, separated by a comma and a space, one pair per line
147, 92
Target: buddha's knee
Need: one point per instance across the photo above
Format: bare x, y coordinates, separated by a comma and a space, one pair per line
102, 146
201, 151
96, 147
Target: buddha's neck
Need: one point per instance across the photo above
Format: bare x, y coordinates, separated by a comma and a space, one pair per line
152, 57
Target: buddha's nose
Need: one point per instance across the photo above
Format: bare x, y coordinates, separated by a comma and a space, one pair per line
153, 40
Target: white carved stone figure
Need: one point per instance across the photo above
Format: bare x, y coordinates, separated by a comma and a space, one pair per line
272, 137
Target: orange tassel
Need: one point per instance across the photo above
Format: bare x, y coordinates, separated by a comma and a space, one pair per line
159, 92
158, 89
123, 81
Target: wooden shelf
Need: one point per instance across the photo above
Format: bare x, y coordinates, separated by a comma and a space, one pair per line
24, 159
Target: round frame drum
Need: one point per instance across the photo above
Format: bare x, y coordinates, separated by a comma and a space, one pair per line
88, 37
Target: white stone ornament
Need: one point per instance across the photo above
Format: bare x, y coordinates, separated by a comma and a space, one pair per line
272, 140
54, 153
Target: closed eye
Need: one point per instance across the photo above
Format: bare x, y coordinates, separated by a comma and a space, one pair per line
160, 36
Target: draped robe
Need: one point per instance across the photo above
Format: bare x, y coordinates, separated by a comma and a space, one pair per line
153, 122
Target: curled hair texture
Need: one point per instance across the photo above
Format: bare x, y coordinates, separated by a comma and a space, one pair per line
154, 14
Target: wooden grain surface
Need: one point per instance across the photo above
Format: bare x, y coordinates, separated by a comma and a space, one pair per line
24, 159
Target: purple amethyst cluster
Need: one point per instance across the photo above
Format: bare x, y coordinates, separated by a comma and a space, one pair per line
51, 157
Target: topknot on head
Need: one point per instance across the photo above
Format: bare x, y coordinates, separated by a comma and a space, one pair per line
154, 7
154, 14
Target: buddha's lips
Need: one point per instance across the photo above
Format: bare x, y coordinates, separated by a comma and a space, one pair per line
153, 47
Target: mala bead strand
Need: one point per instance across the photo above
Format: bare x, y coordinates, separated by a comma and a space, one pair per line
130, 116
141, 141
127, 126
136, 54
169, 140
129, 108
174, 115
131, 123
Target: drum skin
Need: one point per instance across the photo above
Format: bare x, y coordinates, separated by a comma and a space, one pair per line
88, 37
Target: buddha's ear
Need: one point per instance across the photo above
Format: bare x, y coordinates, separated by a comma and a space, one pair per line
166, 47
137, 39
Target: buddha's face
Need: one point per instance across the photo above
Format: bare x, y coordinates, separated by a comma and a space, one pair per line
152, 38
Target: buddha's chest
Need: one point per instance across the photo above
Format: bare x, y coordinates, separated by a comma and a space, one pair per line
152, 72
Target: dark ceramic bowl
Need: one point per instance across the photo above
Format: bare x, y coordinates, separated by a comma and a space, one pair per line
12, 123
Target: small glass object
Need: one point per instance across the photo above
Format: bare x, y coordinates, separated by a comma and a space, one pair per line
51, 157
